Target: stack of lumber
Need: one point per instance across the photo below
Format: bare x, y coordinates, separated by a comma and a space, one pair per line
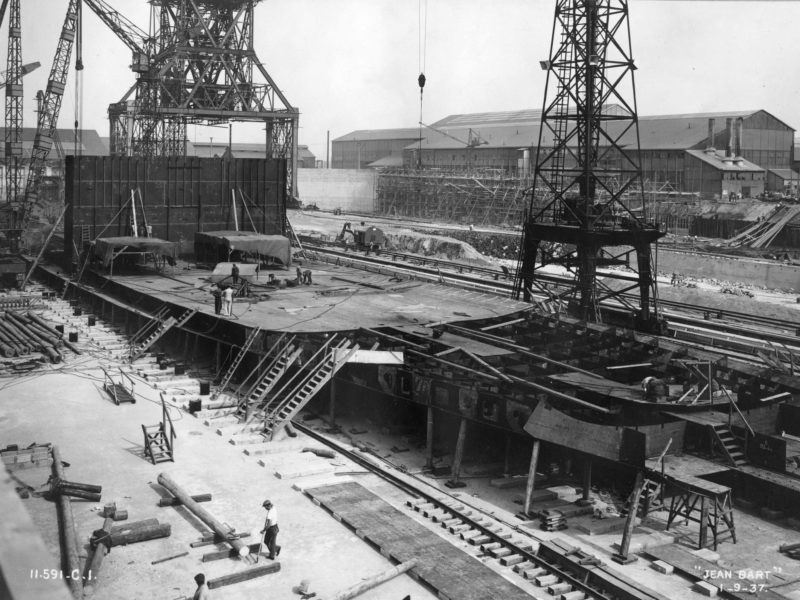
553, 520
21, 334
791, 550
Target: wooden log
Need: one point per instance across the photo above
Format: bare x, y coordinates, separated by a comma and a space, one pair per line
206, 517
135, 525
177, 502
530, 484
100, 551
124, 537
788, 547
69, 541
375, 581
37, 319
259, 571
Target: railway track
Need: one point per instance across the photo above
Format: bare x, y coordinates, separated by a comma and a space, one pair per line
741, 332
561, 571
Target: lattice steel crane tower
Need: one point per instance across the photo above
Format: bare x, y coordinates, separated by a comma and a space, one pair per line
196, 66
587, 207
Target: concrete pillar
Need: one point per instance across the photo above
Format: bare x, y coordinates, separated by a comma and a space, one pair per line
531, 477
459, 455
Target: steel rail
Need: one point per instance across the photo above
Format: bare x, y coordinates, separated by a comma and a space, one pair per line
587, 580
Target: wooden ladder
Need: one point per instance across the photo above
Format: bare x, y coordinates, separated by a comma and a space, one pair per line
167, 324
236, 362
321, 373
285, 355
158, 439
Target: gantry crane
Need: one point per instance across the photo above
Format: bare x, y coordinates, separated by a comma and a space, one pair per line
587, 205
198, 65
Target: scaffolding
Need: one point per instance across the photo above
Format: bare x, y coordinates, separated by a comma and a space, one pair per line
474, 197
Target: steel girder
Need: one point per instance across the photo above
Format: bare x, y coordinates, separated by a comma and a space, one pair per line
13, 115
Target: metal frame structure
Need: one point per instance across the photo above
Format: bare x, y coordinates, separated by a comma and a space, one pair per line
13, 114
197, 66
587, 203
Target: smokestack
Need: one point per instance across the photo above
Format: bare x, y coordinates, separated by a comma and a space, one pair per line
729, 127
710, 133
739, 128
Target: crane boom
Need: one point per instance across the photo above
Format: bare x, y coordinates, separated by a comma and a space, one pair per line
125, 29
46, 125
13, 121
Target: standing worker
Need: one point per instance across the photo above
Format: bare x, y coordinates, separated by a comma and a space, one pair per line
271, 530
201, 593
217, 293
235, 274
227, 297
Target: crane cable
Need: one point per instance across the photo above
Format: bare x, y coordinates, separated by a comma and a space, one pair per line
422, 52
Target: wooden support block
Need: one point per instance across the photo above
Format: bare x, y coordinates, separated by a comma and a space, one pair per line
545, 580
210, 539
662, 567
559, 588
490, 546
240, 576
500, 552
458, 528
477, 541
576, 595
706, 589
450, 522
509, 561
523, 566
534, 573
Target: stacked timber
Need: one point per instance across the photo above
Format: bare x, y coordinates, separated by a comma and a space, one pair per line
22, 334
553, 520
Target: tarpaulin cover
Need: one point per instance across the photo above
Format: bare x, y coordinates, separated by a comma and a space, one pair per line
104, 248
275, 246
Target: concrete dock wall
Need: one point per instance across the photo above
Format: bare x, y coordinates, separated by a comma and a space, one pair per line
770, 274
352, 190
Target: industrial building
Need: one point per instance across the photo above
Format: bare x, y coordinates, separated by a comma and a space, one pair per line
506, 142
358, 149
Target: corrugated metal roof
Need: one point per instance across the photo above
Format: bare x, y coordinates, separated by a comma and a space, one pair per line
509, 117
393, 160
786, 174
718, 160
364, 135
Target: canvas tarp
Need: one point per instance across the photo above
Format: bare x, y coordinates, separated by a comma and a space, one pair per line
105, 248
276, 246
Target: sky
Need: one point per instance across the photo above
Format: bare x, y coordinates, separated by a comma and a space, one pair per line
353, 64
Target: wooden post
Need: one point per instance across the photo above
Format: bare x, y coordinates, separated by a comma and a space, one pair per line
69, 541
100, 551
332, 402
630, 522
703, 522
429, 439
531, 477
206, 517
218, 356
587, 481
378, 579
459, 452
506, 461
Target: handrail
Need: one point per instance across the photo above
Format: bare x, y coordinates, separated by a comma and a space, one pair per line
733, 404
165, 417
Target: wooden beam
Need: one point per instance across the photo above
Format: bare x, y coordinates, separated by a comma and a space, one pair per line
503, 324
258, 571
395, 339
482, 362
69, 541
630, 522
100, 551
459, 452
231, 553
206, 517
453, 365
177, 502
531, 477
375, 580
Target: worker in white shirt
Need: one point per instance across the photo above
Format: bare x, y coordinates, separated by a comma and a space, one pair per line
270, 530
227, 301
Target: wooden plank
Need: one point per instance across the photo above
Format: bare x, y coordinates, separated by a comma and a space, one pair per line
258, 571
231, 553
